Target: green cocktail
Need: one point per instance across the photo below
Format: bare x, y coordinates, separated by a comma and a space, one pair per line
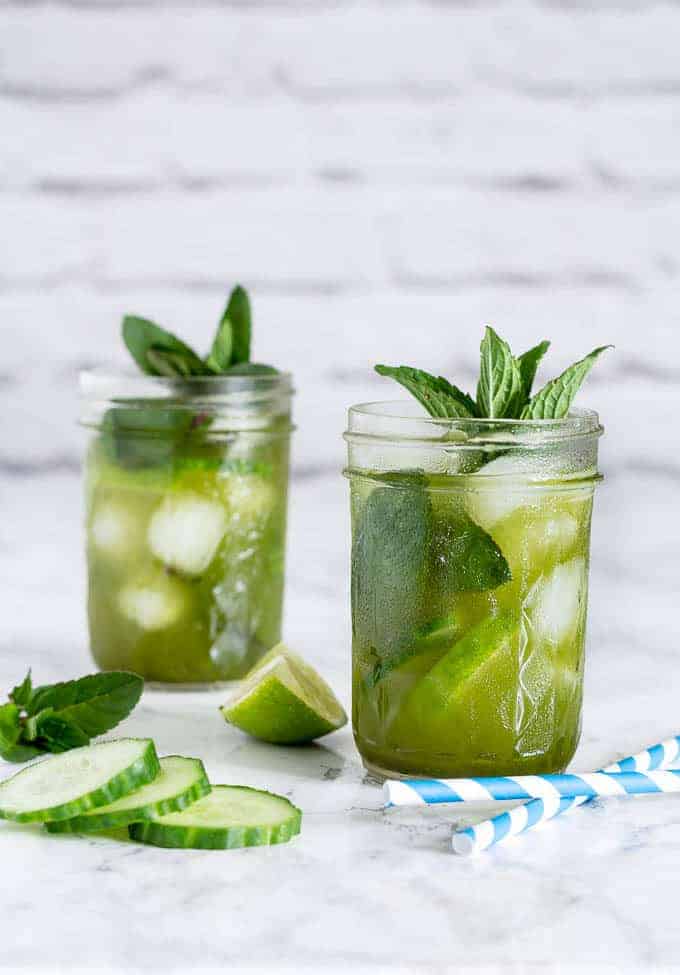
470, 560
186, 495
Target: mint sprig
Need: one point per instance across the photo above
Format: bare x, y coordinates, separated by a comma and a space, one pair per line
231, 345
504, 387
439, 397
158, 352
500, 383
58, 717
528, 364
554, 400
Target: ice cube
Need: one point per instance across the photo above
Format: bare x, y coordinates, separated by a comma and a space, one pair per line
185, 532
555, 604
153, 604
114, 529
251, 499
499, 489
552, 535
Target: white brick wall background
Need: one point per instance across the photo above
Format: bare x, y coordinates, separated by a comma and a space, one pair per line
384, 177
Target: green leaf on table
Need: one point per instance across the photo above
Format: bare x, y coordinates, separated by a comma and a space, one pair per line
500, 384
554, 400
149, 345
21, 694
464, 557
439, 397
21, 753
528, 363
10, 727
92, 704
54, 732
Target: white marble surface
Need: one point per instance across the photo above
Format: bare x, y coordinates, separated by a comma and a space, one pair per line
359, 890
381, 204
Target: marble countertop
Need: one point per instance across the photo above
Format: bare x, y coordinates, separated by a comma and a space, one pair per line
359, 890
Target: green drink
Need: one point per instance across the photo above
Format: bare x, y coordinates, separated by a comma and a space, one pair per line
470, 557
186, 495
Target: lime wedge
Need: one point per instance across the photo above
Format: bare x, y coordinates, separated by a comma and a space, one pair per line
284, 701
461, 696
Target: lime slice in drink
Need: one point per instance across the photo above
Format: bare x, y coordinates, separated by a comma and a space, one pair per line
284, 701
464, 691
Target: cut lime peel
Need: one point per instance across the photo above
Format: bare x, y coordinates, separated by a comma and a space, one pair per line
284, 701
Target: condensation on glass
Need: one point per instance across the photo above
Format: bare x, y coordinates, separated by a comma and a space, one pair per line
186, 494
470, 554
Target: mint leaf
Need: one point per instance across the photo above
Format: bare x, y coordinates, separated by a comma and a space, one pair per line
389, 563
500, 382
238, 313
93, 704
231, 345
54, 732
528, 363
463, 557
439, 397
172, 365
554, 400
145, 436
219, 357
21, 753
143, 337
10, 727
21, 695
251, 369
435, 636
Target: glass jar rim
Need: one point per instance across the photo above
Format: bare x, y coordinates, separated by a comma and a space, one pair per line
233, 402
404, 420
101, 383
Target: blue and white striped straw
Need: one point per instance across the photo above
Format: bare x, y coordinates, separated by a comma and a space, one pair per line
417, 792
521, 819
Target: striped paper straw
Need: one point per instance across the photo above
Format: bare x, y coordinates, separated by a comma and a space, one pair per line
417, 792
481, 836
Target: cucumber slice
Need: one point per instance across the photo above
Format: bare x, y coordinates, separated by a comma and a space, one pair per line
68, 785
230, 817
180, 782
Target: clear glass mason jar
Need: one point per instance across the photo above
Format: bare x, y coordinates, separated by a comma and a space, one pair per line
186, 497
470, 553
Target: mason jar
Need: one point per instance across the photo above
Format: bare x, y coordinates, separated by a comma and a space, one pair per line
186, 492
470, 554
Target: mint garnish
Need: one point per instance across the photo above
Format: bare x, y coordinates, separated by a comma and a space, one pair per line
439, 397
58, 717
554, 400
237, 322
157, 352
504, 387
528, 363
500, 384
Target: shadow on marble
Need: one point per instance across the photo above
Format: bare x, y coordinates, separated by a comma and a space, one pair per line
313, 761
